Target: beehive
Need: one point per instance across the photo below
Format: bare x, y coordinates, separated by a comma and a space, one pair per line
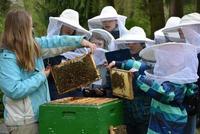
73, 115
75, 73
83, 101
122, 83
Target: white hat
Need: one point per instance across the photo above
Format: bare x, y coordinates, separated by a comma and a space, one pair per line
108, 13
134, 35
186, 20
148, 53
159, 36
68, 17
175, 62
104, 34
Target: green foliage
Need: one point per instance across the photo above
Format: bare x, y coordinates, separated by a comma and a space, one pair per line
34, 7
138, 15
137, 11
4, 6
133, 9
86, 8
189, 7
1, 23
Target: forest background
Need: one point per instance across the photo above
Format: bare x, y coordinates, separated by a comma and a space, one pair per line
148, 14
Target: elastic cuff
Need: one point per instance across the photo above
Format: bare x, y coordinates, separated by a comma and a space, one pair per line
118, 64
43, 76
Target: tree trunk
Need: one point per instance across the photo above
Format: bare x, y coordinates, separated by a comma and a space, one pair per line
93, 10
111, 3
198, 5
176, 8
124, 8
157, 18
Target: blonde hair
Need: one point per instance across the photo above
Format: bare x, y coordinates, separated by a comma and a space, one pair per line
18, 38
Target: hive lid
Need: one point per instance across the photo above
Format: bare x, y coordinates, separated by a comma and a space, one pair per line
83, 100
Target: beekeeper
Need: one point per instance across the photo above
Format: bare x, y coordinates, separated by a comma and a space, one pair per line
110, 21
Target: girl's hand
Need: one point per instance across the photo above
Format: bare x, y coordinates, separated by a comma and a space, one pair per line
105, 64
111, 65
86, 43
47, 71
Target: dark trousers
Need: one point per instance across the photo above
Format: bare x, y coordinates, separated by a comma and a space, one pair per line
140, 128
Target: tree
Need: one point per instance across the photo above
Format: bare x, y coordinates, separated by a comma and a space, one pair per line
4, 6
157, 18
176, 8
111, 3
16, 3
198, 6
137, 14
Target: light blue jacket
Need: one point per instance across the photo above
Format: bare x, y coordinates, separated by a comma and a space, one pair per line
25, 91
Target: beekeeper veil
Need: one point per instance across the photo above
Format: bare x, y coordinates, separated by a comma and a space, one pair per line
99, 53
160, 37
192, 35
69, 18
188, 29
102, 34
108, 13
134, 35
175, 62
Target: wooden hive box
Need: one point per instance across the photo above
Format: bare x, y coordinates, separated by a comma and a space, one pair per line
80, 115
122, 83
75, 73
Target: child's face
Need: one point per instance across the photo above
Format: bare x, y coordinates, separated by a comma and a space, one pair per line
99, 43
109, 25
65, 30
135, 47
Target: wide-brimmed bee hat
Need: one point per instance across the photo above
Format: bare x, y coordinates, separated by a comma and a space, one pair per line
68, 17
174, 62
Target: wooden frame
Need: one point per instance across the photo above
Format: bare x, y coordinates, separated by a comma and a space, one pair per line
122, 83
75, 73
83, 100
121, 129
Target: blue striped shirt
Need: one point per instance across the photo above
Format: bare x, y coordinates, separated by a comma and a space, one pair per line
168, 113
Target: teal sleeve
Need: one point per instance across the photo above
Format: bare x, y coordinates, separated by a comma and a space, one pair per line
55, 45
127, 65
166, 92
192, 89
13, 85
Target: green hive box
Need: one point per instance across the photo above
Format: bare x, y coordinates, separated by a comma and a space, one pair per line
80, 116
